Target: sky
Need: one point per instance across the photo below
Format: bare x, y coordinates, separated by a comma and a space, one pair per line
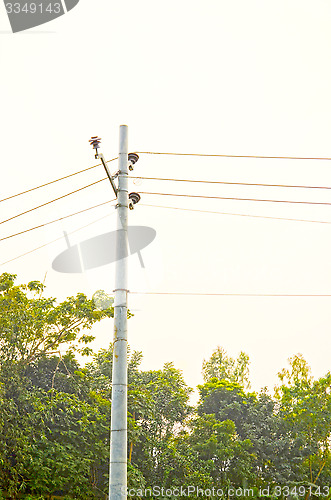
210, 77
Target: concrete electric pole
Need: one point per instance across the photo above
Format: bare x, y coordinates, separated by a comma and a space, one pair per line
118, 433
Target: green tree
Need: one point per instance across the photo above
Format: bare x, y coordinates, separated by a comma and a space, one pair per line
32, 326
256, 418
157, 406
32, 329
223, 367
99, 373
167, 395
216, 442
68, 444
305, 406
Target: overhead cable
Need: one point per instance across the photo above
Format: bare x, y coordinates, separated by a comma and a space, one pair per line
231, 183
234, 156
230, 213
177, 154
234, 294
53, 241
56, 180
55, 220
182, 154
236, 199
51, 201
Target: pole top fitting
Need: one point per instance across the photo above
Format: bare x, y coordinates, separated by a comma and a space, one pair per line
95, 143
133, 158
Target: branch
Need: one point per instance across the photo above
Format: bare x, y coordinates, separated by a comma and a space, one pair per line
73, 324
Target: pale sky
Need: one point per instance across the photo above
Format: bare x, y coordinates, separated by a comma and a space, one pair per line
216, 77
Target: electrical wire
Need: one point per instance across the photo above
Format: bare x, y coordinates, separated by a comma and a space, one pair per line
178, 154
55, 220
231, 183
53, 241
233, 294
233, 156
162, 206
56, 180
52, 201
170, 208
240, 215
185, 180
236, 199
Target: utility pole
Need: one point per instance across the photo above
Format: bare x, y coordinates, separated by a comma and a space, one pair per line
118, 431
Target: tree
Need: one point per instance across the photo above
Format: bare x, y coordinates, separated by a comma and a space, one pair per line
157, 406
305, 406
99, 373
223, 367
32, 326
69, 442
55, 413
216, 442
32, 329
166, 395
256, 419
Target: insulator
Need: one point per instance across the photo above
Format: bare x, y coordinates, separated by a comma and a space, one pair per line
135, 197
95, 142
133, 158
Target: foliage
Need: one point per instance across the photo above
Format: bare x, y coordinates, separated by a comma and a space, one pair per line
305, 407
223, 367
55, 413
217, 443
32, 326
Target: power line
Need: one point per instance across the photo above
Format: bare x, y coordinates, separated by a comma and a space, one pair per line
53, 241
161, 206
185, 180
240, 215
56, 220
182, 154
233, 294
56, 180
231, 183
236, 199
52, 201
233, 156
